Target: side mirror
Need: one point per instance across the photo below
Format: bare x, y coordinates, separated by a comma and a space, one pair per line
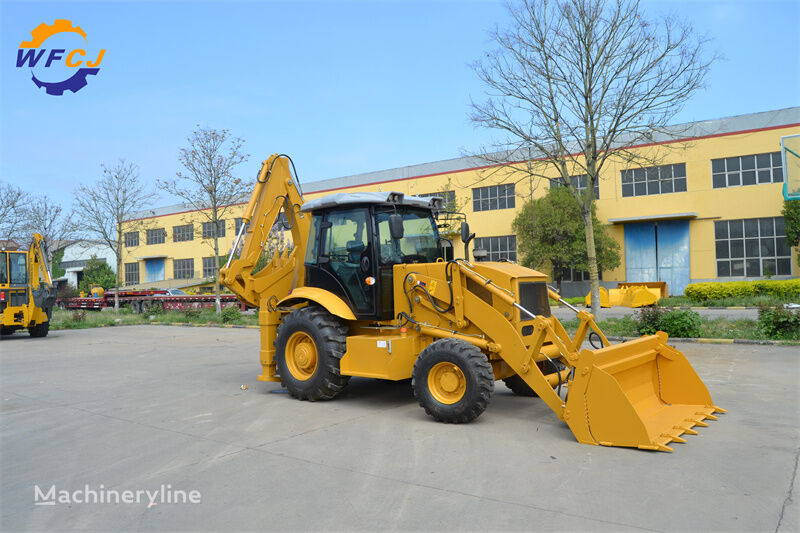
396, 226
464, 232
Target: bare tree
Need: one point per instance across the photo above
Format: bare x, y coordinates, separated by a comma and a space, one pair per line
580, 81
13, 205
46, 217
208, 184
105, 205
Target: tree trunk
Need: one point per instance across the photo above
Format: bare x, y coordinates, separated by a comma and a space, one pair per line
217, 303
116, 285
594, 278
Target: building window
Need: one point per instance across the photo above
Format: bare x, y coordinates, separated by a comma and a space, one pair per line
503, 247
211, 266
183, 233
183, 268
131, 273
746, 170
237, 222
571, 274
654, 180
208, 229
131, 239
448, 198
752, 247
156, 236
493, 197
578, 183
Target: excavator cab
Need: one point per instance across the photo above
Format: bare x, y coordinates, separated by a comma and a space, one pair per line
351, 250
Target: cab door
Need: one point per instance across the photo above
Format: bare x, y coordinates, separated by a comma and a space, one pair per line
344, 260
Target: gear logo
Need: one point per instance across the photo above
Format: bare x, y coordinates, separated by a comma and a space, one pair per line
31, 53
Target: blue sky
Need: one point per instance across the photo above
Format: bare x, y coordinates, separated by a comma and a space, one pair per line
343, 87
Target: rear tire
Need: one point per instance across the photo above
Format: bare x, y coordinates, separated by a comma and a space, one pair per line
39, 330
7, 330
520, 388
453, 381
309, 345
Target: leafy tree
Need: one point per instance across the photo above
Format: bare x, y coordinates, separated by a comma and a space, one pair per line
58, 256
573, 83
550, 229
97, 272
791, 215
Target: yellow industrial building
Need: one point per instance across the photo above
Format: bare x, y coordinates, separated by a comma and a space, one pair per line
709, 210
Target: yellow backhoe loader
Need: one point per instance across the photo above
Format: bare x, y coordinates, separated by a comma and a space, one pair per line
27, 294
366, 291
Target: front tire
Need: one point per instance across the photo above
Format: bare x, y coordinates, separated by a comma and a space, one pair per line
309, 345
453, 381
39, 330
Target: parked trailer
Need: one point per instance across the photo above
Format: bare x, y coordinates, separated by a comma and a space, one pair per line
143, 301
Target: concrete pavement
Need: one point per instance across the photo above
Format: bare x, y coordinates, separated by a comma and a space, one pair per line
135, 408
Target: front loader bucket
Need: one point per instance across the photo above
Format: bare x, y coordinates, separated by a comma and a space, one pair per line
641, 393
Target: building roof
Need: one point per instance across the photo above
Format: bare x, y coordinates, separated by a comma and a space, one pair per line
705, 128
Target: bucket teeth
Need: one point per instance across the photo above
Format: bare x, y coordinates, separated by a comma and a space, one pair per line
719, 410
712, 417
678, 439
688, 431
701, 424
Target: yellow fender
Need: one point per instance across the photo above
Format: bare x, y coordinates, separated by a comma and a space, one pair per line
328, 300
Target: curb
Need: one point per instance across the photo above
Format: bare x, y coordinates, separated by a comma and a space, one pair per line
180, 324
739, 308
763, 342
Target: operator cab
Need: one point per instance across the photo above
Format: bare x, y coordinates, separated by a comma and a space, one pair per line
351, 250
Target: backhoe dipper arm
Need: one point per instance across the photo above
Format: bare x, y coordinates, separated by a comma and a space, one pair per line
37, 266
275, 189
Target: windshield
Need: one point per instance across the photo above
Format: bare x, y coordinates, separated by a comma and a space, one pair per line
420, 238
18, 273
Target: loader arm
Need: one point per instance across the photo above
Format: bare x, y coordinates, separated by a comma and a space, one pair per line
275, 191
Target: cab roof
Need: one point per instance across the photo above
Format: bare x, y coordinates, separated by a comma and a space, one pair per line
376, 198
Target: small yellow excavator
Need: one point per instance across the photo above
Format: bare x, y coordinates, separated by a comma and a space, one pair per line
366, 291
27, 294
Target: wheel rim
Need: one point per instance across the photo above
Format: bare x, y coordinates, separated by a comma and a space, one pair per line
301, 355
447, 383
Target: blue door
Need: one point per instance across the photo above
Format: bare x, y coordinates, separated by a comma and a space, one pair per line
154, 269
658, 251
640, 252
672, 247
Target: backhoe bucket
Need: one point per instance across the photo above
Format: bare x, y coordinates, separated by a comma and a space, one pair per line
641, 393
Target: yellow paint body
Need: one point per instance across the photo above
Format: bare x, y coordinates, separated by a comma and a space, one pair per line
641, 393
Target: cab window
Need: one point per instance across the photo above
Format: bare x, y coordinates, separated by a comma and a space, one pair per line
420, 238
3, 267
18, 272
